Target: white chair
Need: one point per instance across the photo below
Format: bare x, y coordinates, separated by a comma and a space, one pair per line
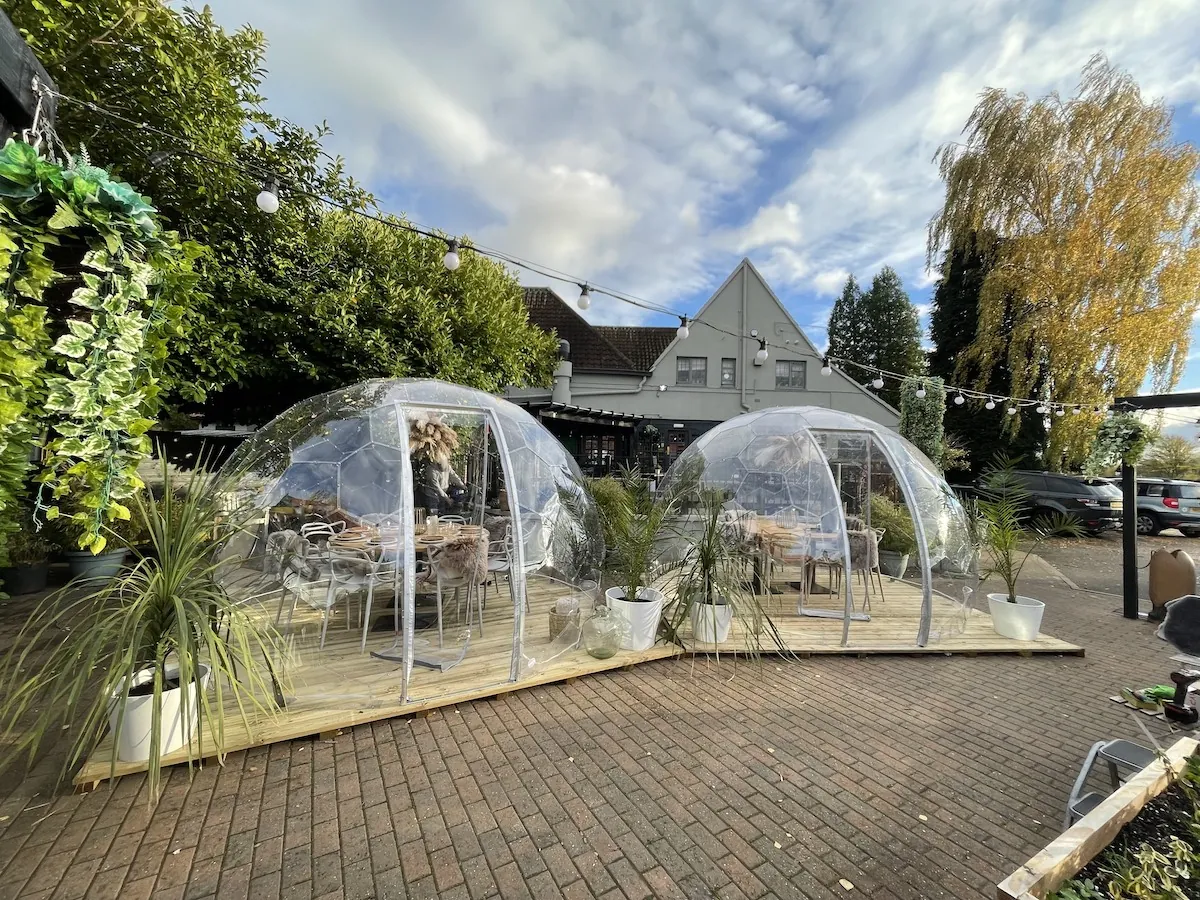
388, 571
453, 520
350, 572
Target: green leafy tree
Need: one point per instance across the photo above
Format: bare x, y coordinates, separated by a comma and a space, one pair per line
845, 323
1171, 456
922, 414
890, 332
256, 322
954, 318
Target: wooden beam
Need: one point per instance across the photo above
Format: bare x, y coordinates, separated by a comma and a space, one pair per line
1063, 857
18, 68
1158, 401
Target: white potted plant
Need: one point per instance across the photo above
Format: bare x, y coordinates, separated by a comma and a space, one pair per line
1003, 509
633, 520
899, 539
137, 653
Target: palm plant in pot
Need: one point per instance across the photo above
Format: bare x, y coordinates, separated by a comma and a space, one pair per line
151, 655
899, 539
1009, 536
633, 521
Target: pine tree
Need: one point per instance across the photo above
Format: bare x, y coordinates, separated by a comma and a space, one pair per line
890, 333
953, 321
845, 323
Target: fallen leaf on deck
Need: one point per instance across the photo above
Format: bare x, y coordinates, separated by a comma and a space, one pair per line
846, 884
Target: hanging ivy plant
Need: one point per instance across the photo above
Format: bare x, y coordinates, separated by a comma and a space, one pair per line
1121, 439
92, 283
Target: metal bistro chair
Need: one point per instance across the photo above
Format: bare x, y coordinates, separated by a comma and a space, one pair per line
1123, 758
389, 571
446, 577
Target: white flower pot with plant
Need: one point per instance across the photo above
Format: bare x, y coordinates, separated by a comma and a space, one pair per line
166, 621
899, 539
1004, 526
633, 520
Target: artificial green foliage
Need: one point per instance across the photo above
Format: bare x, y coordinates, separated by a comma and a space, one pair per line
921, 418
93, 284
1121, 439
290, 304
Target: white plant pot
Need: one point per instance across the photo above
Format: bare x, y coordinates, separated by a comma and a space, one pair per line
1020, 621
134, 743
711, 622
642, 615
893, 564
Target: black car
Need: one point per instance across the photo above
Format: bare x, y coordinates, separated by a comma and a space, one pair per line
1093, 501
1168, 503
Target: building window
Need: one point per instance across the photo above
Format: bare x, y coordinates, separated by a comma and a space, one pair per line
728, 372
599, 450
691, 370
791, 375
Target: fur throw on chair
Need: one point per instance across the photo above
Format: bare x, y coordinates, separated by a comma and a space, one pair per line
464, 554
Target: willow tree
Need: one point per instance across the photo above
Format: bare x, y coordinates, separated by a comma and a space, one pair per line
1092, 212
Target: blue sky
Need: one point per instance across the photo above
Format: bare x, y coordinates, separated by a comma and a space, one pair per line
648, 146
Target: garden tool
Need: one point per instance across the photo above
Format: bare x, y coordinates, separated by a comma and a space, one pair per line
1183, 680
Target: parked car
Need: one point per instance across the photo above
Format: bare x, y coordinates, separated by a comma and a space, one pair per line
1094, 502
1168, 503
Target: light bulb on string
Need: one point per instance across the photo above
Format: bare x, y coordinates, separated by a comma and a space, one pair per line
959, 399
1041, 408
1058, 410
268, 198
991, 404
1012, 410
826, 368
921, 392
877, 383
683, 331
451, 260
585, 297
762, 354
1075, 410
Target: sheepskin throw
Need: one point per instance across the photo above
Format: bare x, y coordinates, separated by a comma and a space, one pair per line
464, 554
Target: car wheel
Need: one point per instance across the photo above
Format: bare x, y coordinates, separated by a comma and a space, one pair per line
1147, 524
1191, 533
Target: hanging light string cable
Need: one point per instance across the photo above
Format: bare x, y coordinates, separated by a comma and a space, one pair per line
268, 201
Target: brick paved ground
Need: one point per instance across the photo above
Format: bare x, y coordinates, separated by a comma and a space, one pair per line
908, 777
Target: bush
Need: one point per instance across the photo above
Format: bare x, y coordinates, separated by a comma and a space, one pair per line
899, 533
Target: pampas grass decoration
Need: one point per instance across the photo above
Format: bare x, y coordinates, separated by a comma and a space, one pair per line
431, 438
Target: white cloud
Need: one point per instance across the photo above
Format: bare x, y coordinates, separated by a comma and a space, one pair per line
646, 146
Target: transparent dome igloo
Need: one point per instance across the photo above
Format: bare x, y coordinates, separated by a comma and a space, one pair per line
823, 486
417, 527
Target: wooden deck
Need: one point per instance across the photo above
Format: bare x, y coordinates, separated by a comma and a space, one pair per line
339, 686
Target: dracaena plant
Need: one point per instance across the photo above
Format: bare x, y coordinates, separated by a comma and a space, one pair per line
1006, 529
76, 653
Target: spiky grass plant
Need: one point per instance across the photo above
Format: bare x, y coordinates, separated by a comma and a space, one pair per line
710, 571
76, 654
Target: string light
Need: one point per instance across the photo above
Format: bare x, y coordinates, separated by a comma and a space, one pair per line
268, 197
662, 388
1075, 410
268, 201
959, 399
683, 331
921, 392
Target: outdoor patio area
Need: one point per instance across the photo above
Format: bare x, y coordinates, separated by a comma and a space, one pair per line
342, 685
928, 777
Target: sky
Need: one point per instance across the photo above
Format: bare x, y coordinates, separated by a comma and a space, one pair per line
649, 146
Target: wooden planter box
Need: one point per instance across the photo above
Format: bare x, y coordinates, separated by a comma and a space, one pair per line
1063, 857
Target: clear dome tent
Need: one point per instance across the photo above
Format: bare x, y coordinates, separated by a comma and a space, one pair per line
804, 482
403, 533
